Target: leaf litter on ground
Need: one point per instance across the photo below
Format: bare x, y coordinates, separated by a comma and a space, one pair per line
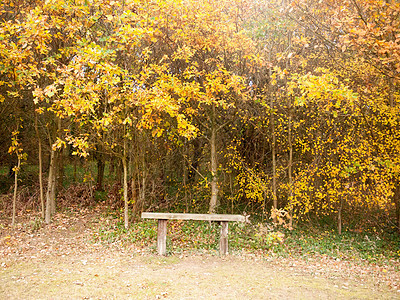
73, 237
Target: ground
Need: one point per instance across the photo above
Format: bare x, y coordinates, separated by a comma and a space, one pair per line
62, 260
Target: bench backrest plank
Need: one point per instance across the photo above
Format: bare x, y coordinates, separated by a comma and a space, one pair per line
197, 217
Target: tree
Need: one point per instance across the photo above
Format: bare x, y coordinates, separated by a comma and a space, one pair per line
16, 148
358, 39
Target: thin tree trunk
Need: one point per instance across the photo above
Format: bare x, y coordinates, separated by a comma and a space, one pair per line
41, 195
290, 170
126, 215
185, 175
100, 173
290, 166
59, 175
142, 185
125, 180
134, 195
119, 171
231, 190
214, 180
15, 190
398, 210
135, 184
396, 198
51, 187
143, 191
139, 188
274, 197
272, 120
391, 93
340, 216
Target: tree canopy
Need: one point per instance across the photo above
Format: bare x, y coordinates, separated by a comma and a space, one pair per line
287, 109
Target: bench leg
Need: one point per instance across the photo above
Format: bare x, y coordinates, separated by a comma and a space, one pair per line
223, 242
162, 237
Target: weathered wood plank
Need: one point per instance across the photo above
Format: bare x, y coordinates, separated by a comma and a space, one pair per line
162, 237
198, 217
223, 240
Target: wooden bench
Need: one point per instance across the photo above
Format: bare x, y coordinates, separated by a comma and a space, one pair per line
162, 226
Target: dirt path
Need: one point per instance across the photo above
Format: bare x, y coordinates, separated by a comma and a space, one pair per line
123, 276
61, 261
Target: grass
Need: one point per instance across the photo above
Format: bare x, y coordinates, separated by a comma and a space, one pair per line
111, 229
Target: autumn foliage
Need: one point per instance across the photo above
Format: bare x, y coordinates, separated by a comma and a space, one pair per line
206, 105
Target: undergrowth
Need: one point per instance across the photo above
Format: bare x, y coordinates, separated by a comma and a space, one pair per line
256, 238
380, 248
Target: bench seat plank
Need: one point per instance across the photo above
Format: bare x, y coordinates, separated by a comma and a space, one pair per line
198, 217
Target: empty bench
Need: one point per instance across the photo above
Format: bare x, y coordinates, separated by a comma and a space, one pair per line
162, 226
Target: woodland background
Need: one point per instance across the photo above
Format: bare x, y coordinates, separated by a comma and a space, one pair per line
284, 110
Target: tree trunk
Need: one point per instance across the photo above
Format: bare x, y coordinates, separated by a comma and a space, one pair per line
396, 196
125, 181
119, 171
398, 210
185, 175
391, 93
15, 190
100, 173
59, 168
274, 197
272, 120
396, 199
51, 187
112, 166
290, 164
126, 216
290, 170
193, 165
59, 174
143, 189
340, 216
135, 183
134, 195
41, 196
214, 180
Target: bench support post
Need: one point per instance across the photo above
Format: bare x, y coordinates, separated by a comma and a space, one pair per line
223, 242
162, 237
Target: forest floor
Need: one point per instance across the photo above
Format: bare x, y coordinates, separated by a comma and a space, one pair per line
63, 260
